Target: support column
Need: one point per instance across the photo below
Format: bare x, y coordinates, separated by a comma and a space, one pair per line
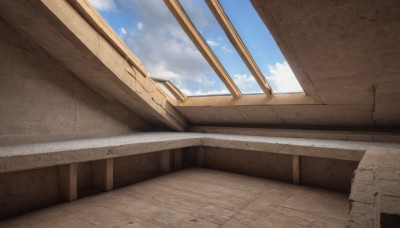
69, 181
296, 169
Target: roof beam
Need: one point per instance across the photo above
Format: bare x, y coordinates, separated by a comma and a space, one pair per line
249, 100
175, 91
97, 21
237, 42
177, 10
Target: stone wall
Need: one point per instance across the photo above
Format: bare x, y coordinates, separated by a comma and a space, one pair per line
375, 190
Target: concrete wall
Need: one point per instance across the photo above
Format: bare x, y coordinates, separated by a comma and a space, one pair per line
132, 169
332, 174
261, 164
25, 191
42, 101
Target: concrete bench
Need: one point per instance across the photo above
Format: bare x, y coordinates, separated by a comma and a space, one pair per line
64, 165
67, 154
23, 157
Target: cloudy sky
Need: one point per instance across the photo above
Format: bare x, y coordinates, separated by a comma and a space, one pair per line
155, 37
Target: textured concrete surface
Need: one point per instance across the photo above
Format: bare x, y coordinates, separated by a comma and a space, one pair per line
332, 174
260, 164
198, 198
13, 158
375, 189
42, 101
21, 192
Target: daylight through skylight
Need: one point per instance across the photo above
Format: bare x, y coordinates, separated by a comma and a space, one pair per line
154, 36
261, 46
209, 28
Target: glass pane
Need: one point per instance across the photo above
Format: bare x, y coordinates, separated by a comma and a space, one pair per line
261, 46
205, 22
155, 37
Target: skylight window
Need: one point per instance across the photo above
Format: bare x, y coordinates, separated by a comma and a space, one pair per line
209, 28
166, 90
154, 36
261, 46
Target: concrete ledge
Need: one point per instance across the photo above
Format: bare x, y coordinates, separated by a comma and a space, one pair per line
16, 158
344, 150
366, 136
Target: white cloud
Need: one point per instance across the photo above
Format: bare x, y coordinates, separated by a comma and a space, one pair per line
282, 79
243, 79
226, 49
123, 31
165, 49
159, 71
140, 25
247, 83
103, 5
212, 43
204, 93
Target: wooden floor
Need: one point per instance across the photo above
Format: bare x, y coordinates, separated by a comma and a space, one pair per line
197, 198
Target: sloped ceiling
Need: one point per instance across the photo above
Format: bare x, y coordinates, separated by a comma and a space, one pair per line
350, 53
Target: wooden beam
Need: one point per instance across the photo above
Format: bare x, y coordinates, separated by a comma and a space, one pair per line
296, 169
250, 100
237, 42
96, 20
109, 175
177, 10
69, 181
175, 91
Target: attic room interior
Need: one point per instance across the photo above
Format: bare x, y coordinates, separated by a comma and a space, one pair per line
199, 113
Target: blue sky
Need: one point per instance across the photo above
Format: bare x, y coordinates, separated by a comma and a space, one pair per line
154, 36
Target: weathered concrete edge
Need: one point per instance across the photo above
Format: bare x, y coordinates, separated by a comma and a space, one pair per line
32, 161
364, 136
64, 155
301, 150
